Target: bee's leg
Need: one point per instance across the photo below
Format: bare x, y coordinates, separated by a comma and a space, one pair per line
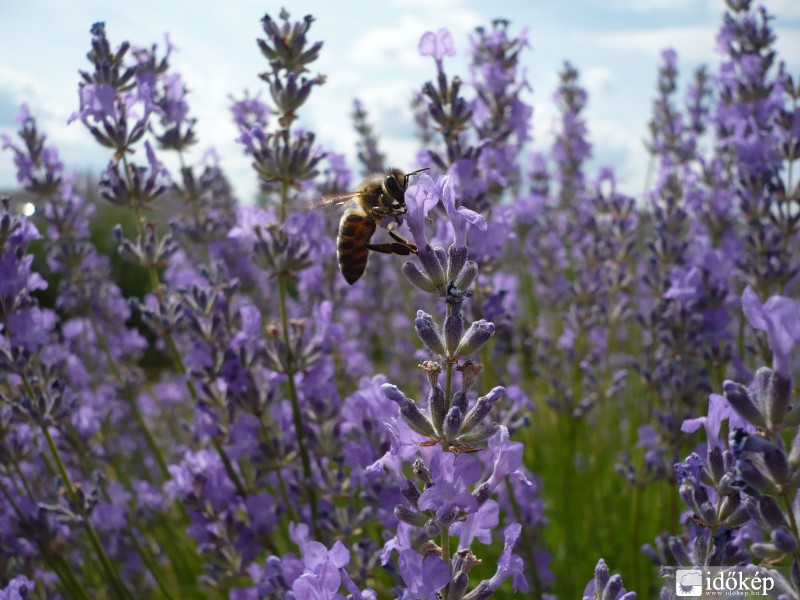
391, 248
396, 236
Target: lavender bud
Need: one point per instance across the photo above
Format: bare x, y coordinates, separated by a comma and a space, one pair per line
613, 587
408, 410
699, 551
778, 393
481, 433
784, 540
467, 275
410, 516
715, 464
453, 330
743, 403
763, 550
417, 421
460, 400
428, 333
431, 528
686, 493
707, 512
483, 493
777, 465
432, 267
441, 257
482, 408
754, 476
418, 278
458, 586
452, 423
475, 337
699, 495
391, 392
482, 591
737, 518
678, 550
456, 257
770, 511
601, 575
729, 505
422, 473
410, 492
437, 407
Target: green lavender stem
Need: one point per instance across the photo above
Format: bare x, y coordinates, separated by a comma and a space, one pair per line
108, 567
297, 414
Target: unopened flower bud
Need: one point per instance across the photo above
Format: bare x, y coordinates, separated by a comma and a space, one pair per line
421, 471
452, 423
763, 551
613, 587
784, 540
467, 275
391, 392
432, 267
453, 330
475, 337
418, 278
410, 516
437, 407
458, 586
778, 393
456, 258
482, 408
417, 421
707, 512
428, 333
460, 400
431, 528
479, 434
410, 492
743, 403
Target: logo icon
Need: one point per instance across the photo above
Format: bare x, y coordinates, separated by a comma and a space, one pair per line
688, 582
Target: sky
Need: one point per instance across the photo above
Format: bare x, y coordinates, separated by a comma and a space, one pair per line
369, 52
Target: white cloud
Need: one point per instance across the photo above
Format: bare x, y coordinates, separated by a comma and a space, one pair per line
648, 6
783, 9
395, 46
598, 81
694, 43
426, 4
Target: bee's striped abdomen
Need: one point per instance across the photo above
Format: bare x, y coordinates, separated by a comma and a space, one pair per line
355, 230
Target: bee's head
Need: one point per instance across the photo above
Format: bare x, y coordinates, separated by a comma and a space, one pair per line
394, 188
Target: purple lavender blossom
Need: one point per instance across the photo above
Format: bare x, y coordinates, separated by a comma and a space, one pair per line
423, 577
452, 477
780, 318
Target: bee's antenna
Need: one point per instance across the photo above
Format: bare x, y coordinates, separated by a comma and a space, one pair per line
405, 182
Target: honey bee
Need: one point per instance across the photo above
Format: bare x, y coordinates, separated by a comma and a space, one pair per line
378, 197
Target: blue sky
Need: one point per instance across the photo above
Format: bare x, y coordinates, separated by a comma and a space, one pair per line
370, 51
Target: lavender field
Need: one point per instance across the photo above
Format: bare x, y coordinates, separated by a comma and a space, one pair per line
537, 387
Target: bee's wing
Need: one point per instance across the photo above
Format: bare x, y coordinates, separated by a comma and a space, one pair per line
327, 203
